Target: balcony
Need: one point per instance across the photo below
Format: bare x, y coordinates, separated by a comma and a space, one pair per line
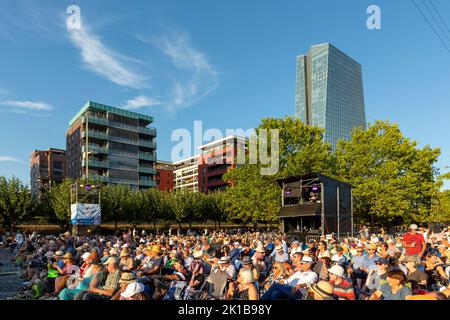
149, 131
96, 120
100, 178
147, 170
123, 140
96, 163
147, 143
95, 148
123, 167
147, 183
95, 134
147, 156
123, 181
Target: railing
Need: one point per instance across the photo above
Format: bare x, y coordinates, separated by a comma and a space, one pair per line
147, 156
147, 143
123, 140
123, 181
147, 183
95, 163
95, 134
122, 167
149, 131
147, 170
99, 178
95, 148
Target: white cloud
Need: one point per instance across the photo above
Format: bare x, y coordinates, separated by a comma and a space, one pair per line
193, 78
27, 105
140, 102
103, 61
10, 159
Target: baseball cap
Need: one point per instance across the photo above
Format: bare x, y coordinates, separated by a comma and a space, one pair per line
413, 226
110, 260
307, 259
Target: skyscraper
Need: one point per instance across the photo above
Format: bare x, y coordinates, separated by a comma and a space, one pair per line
329, 92
112, 145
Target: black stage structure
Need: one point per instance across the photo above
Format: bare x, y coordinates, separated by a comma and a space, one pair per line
315, 205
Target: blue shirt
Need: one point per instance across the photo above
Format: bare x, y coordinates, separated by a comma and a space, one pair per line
360, 262
399, 295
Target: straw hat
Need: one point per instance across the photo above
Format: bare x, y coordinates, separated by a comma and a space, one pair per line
127, 277
323, 289
124, 253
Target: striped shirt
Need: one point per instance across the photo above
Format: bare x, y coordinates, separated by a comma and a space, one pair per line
344, 290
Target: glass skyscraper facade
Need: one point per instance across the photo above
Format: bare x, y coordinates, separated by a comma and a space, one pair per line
329, 92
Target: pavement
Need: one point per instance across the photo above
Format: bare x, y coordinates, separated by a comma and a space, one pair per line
9, 275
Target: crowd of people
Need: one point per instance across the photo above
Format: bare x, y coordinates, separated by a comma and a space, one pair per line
231, 265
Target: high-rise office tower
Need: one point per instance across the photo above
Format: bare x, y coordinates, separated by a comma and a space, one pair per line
112, 145
329, 92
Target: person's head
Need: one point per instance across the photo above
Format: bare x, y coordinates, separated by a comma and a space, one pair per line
322, 245
413, 228
245, 276
311, 243
323, 290
68, 258
111, 264
372, 249
279, 269
410, 263
295, 244
126, 278
134, 291
396, 278
247, 262
336, 273
382, 264
298, 256
432, 258
306, 263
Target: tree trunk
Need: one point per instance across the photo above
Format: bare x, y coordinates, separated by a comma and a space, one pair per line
115, 224
154, 225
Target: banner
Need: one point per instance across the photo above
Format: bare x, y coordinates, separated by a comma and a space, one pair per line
85, 214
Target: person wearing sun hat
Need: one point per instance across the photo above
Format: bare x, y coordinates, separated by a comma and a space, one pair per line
343, 289
126, 261
134, 291
125, 279
153, 262
111, 285
296, 285
323, 290
69, 268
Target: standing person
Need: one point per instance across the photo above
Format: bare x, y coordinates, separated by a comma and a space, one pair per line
414, 243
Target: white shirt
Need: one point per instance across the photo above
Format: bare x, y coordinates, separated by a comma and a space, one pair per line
308, 277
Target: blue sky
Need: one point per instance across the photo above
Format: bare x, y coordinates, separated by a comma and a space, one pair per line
226, 63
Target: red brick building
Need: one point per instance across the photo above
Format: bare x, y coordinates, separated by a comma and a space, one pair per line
164, 175
216, 158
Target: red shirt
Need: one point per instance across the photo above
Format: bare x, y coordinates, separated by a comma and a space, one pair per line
415, 243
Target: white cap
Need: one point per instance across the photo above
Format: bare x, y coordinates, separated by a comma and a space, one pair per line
132, 289
337, 270
413, 226
307, 259
85, 255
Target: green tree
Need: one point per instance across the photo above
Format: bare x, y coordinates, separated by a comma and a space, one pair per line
393, 179
253, 197
115, 203
15, 203
60, 201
